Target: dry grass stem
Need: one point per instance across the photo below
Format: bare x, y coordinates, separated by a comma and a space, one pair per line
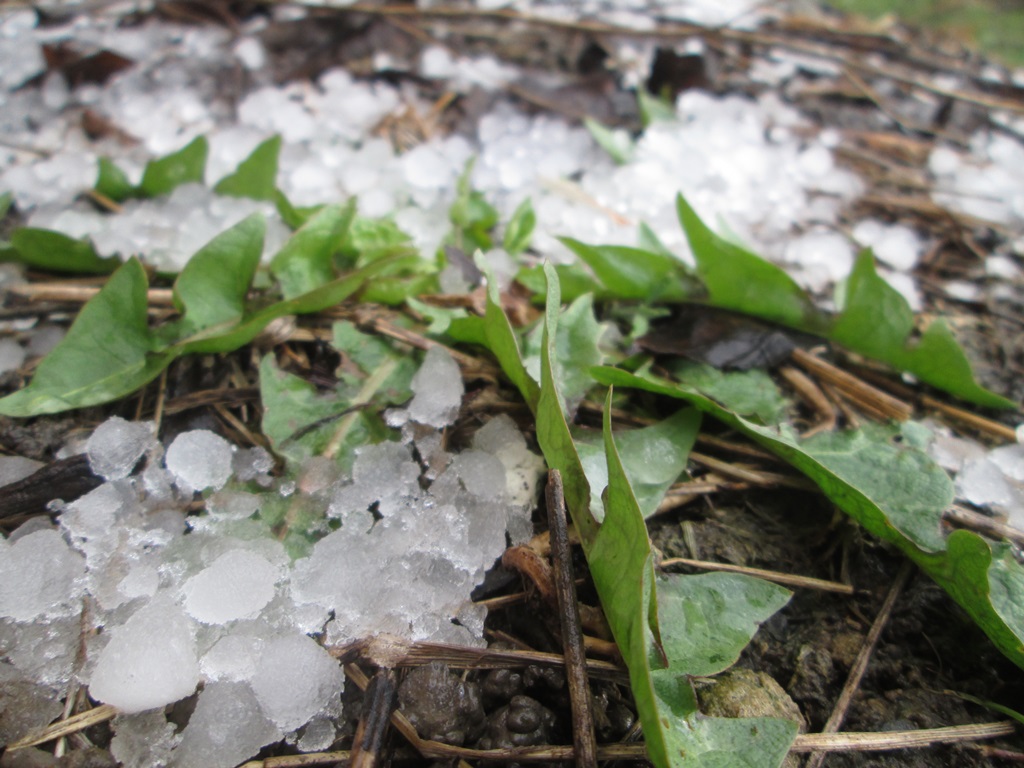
865, 396
786, 579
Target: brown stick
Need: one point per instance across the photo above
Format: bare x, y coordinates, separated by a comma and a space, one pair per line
373, 725
867, 397
754, 476
583, 736
789, 579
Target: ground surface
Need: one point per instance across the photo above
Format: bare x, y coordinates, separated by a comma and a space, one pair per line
928, 647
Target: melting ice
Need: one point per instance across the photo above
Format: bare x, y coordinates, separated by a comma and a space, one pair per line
224, 605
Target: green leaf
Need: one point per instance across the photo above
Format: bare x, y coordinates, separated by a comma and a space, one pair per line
471, 215
297, 419
106, 354
256, 176
306, 261
616, 143
653, 108
632, 273
707, 620
53, 251
112, 182
698, 624
6, 200
218, 339
620, 558
721, 742
372, 355
212, 288
186, 165
748, 393
574, 278
519, 231
877, 321
622, 567
898, 494
495, 332
553, 434
737, 279
653, 457
648, 240
394, 291
293, 216
576, 350
372, 239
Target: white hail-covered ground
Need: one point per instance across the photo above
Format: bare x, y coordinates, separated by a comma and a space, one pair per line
212, 599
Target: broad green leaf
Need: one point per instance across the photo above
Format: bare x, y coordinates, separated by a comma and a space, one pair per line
291, 215
697, 624
471, 215
616, 142
298, 420
632, 273
212, 288
575, 279
898, 494
302, 422
519, 231
553, 434
394, 291
653, 457
877, 321
708, 619
576, 350
621, 562
107, 353
306, 261
749, 393
112, 182
741, 742
440, 317
256, 176
653, 108
223, 338
495, 332
648, 240
374, 357
372, 239
739, 280
622, 567
53, 251
186, 165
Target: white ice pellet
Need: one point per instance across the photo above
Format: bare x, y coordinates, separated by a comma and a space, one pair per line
437, 389
896, 245
251, 53
235, 586
12, 355
40, 577
116, 446
150, 660
296, 680
200, 459
233, 657
227, 727
318, 735
14, 468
